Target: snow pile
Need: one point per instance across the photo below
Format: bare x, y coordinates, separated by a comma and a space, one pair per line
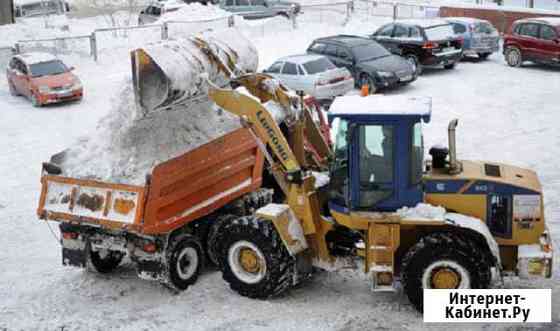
126, 147
422, 211
194, 12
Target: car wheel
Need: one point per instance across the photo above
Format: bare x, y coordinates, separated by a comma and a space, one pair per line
484, 56
513, 57
416, 65
34, 101
449, 66
366, 79
12, 88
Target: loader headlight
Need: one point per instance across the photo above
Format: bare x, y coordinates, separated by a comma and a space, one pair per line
44, 89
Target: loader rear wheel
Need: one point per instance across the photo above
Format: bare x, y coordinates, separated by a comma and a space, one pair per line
185, 260
254, 260
105, 261
443, 260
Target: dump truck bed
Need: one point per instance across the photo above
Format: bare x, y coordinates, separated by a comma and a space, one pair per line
178, 191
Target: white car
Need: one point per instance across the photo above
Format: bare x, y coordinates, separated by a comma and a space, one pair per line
316, 75
157, 9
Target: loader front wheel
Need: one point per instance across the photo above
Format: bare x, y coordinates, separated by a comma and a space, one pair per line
105, 261
254, 260
442, 260
185, 260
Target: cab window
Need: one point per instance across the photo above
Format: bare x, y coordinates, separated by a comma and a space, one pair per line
547, 33
459, 28
339, 168
400, 32
416, 154
529, 30
275, 67
387, 31
375, 164
289, 69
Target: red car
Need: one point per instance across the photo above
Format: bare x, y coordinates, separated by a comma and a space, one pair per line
534, 39
43, 79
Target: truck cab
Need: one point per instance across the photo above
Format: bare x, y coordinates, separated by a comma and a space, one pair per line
378, 157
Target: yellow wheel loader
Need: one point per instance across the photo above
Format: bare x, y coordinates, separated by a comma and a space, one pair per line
441, 223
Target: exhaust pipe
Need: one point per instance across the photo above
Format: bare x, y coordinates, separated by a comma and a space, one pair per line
455, 166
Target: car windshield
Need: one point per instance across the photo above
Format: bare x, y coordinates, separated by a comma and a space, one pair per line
440, 32
48, 68
369, 52
484, 27
317, 66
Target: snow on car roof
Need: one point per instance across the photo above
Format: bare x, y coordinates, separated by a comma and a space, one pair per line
465, 19
36, 57
549, 20
381, 105
301, 58
424, 23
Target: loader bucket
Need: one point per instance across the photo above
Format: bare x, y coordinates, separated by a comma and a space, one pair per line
173, 72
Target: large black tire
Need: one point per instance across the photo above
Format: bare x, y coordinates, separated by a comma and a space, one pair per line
105, 262
214, 245
513, 56
274, 268
185, 258
447, 252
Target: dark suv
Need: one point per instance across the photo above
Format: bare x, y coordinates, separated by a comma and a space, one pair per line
423, 42
534, 39
369, 62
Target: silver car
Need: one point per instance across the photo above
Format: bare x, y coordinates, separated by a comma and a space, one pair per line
316, 75
157, 9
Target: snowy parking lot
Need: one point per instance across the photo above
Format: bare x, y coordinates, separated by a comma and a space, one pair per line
505, 114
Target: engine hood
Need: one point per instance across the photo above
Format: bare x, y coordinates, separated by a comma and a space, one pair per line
484, 177
54, 81
391, 63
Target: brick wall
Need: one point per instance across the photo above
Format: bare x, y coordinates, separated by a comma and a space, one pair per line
6, 12
501, 19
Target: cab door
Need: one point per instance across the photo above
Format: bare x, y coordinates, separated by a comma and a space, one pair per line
373, 170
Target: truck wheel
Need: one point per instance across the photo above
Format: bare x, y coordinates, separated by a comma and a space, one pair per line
254, 260
513, 57
443, 260
184, 261
214, 244
105, 261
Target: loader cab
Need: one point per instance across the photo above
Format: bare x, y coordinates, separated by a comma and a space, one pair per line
378, 152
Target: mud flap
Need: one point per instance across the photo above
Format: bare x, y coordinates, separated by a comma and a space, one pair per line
74, 257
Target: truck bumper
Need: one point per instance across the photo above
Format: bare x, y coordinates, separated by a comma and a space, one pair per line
535, 261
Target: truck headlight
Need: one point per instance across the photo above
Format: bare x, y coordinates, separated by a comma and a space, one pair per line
44, 89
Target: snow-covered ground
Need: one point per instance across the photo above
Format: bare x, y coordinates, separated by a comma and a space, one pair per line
506, 114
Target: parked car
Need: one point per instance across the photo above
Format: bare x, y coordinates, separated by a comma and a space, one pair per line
43, 79
480, 37
368, 62
316, 75
535, 39
254, 9
157, 9
425, 42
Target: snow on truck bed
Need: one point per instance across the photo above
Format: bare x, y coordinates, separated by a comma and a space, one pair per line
125, 147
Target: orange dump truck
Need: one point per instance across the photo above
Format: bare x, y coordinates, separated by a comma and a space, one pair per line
166, 227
